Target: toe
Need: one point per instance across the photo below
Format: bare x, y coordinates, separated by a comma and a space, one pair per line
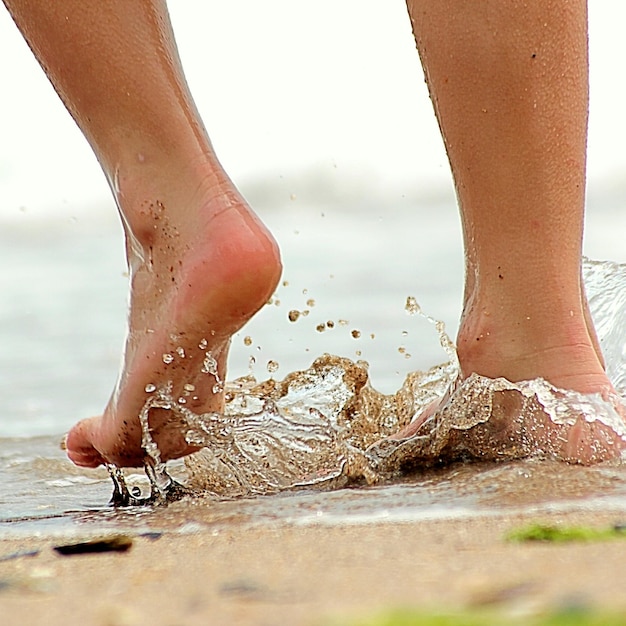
79, 447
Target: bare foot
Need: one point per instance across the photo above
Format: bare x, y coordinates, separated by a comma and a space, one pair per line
201, 266
569, 359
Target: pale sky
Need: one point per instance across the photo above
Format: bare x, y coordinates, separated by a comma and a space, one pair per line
283, 86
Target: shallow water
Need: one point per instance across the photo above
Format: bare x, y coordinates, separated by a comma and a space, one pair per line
75, 499
60, 356
317, 430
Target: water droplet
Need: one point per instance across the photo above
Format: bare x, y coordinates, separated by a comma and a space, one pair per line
167, 358
320, 328
343, 322
209, 366
277, 302
330, 324
405, 333
356, 333
203, 344
305, 312
272, 366
310, 302
181, 400
189, 387
293, 315
411, 306
247, 341
149, 388
285, 283
181, 352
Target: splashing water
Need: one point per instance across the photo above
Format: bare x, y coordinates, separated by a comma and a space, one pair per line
327, 427
605, 283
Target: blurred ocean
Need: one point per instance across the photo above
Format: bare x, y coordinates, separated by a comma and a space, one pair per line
353, 252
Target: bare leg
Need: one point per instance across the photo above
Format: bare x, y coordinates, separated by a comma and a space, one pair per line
509, 83
201, 263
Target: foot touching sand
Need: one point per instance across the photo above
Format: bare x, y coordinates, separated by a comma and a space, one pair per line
570, 359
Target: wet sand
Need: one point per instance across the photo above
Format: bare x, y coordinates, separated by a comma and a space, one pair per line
311, 574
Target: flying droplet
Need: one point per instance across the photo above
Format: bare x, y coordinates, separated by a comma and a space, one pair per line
411, 306
209, 366
356, 333
149, 388
293, 315
167, 358
272, 366
247, 341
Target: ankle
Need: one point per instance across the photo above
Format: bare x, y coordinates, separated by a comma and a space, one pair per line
149, 188
559, 349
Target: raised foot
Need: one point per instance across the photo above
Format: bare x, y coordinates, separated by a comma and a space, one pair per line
193, 284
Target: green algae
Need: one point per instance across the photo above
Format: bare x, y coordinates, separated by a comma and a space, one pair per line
569, 617
563, 534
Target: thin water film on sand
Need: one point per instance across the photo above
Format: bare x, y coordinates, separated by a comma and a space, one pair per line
327, 427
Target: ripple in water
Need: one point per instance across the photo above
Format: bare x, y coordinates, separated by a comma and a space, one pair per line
326, 427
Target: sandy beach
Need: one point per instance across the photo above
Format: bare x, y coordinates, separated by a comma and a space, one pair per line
310, 574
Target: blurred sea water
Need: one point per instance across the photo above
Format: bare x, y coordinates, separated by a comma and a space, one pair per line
353, 253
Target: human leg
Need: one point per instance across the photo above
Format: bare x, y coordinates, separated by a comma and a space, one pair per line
510, 89
201, 263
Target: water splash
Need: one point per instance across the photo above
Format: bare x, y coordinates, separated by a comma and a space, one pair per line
605, 284
326, 427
